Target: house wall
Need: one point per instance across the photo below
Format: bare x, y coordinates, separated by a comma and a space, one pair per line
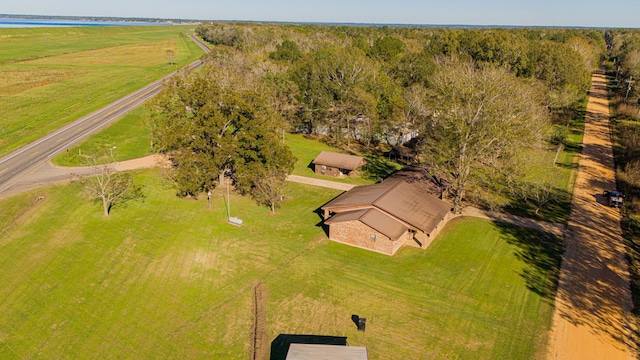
356, 233
424, 240
327, 170
439, 227
427, 239
417, 239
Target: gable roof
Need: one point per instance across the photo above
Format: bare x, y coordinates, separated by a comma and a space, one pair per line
373, 218
341, 161
409, 203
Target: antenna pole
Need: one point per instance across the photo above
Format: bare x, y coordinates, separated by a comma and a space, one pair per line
228, 202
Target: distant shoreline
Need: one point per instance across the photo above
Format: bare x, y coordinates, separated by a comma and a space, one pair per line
6, 20
34, 21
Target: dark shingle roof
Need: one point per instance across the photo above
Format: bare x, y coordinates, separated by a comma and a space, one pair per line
341, 161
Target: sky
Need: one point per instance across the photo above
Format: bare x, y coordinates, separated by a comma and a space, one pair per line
589, 13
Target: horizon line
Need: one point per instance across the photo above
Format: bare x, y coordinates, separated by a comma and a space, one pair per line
333, 23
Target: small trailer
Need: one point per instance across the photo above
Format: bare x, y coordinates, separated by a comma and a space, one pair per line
614, 198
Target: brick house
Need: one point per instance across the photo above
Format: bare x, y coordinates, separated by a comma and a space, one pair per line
335, 164
382, 217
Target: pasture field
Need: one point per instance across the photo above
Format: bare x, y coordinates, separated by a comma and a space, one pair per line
165, 277
52, 76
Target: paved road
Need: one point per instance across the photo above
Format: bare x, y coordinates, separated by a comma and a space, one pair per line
15, 167
592, 318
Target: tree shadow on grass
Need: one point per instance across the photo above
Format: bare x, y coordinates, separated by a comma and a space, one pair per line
557, 210
541, 254
631, 234
630, 225
379, 168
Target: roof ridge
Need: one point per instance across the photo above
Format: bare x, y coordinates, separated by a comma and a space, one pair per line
403, 220
384, 194
393, 217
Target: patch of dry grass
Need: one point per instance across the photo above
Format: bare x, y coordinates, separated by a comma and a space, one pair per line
135, 55
15, 81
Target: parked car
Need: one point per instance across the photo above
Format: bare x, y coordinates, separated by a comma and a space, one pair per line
614, 198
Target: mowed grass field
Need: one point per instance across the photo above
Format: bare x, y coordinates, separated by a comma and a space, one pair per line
167, 278
52, 76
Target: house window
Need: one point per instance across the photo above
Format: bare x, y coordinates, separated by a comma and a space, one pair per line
373, 237
324, 167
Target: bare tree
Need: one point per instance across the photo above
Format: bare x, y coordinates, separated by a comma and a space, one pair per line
482, 118
269, 189
539, 191
109, 186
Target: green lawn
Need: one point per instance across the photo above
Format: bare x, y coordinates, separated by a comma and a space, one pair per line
166, 277
53, 76
127, 138
306, 150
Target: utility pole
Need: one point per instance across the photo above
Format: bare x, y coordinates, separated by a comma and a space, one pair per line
630, 81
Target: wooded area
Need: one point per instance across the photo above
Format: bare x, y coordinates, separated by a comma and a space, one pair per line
470, 102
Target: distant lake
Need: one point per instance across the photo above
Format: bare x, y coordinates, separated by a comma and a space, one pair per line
33, 23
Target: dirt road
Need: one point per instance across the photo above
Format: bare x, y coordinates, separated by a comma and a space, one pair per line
593, 319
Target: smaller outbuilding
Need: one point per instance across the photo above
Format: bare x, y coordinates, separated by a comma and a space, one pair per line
326, 352
335, 164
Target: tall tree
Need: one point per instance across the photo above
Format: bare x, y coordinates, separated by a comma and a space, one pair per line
387, 48
413, 68
563, 71
332, 85
589, 53
482, 117
288, 50
209, 131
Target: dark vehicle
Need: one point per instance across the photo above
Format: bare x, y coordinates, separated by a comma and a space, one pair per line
615, 198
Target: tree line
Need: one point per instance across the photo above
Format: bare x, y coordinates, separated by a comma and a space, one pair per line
468, 100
